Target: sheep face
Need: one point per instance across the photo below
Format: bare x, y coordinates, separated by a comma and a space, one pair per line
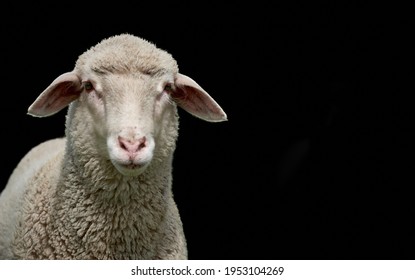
124, 93
129, 112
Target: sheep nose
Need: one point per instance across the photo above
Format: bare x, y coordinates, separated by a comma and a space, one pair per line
132, 146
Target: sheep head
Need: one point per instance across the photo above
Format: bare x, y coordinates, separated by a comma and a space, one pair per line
130, 90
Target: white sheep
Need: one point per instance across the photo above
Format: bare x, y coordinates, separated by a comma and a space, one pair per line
104, 191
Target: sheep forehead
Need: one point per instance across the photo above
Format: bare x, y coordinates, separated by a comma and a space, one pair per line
126, 54
136, 84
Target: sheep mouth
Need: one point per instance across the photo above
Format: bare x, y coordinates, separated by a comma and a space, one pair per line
131, 165
130, 168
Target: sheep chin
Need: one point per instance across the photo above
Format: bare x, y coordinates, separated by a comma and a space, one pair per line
130, 169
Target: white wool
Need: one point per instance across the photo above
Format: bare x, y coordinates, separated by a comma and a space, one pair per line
105, 190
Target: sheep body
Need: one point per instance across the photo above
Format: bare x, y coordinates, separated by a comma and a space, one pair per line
104, 191
39, 157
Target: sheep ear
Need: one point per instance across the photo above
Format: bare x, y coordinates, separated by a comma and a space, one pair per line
191, 97
62, 91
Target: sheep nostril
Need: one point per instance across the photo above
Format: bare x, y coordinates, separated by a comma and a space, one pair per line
143, 143
132, 145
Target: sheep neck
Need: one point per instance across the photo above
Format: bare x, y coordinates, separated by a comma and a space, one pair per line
123, 215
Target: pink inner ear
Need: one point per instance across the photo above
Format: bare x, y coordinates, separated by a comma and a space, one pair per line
65, 89
192, 98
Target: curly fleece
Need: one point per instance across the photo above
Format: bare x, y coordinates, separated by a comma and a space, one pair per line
76, 205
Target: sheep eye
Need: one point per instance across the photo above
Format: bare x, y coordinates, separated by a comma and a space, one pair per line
88, 86
168, 88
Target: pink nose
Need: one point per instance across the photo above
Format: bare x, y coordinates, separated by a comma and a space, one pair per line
132, 146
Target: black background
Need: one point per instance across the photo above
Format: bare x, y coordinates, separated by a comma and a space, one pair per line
316, 160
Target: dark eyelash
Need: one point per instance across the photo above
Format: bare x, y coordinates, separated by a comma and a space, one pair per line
88, 86
169, 87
